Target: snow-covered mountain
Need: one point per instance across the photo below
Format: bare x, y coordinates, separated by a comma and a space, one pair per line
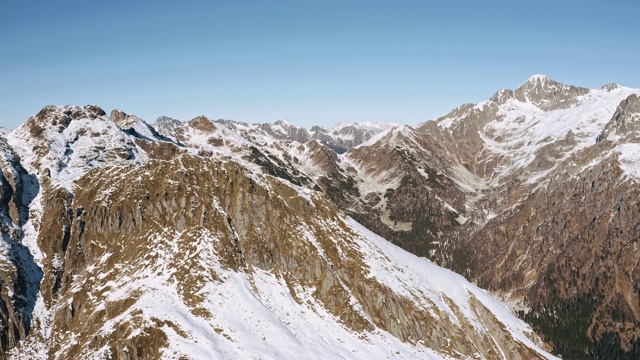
532, 194
339, 137
227, 239
207, 239
343, 136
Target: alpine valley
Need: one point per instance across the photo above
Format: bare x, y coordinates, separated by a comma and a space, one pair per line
506, 229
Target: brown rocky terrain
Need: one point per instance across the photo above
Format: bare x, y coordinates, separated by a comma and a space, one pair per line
20, 276
564, 244
544, 183
125, 243
110, 224
511, 192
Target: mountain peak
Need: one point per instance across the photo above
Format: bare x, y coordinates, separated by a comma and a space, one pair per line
164, 121
118, 116
548, 94
364, 125
541, 81
285, 123
501, 96
57, 118
202, 123
539, 78
610, 87
130, 122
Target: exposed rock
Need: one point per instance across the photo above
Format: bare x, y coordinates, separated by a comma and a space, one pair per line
166, 125
232, 123
521, 199
625, 122
548, 94
224, 201
202, 123
141, 247
119, 117
537, 205
282, 130
345, 136
502, 95
19, 275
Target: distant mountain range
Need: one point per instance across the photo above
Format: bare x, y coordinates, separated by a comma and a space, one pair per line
339, 137
222, 239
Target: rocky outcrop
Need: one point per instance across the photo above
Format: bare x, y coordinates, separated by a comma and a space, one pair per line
166, 125
283, 130
119, 117
135, 126
502, 96
548, 94
19, 274
625, 123
203, 124
343, 137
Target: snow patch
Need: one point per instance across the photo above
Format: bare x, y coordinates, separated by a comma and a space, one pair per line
629, 159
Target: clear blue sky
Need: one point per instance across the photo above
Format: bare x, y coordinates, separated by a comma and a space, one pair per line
311, 62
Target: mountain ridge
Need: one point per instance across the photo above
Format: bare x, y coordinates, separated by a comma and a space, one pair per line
494, 163
521, 194
202, 212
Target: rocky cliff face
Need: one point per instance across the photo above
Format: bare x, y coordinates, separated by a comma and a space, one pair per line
20, 276
122, 242
547, 94
570, 251
625, 123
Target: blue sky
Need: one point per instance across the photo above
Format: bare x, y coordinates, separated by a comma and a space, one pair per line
311, 62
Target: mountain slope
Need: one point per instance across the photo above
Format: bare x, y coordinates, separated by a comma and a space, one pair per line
533, 194
151, 245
